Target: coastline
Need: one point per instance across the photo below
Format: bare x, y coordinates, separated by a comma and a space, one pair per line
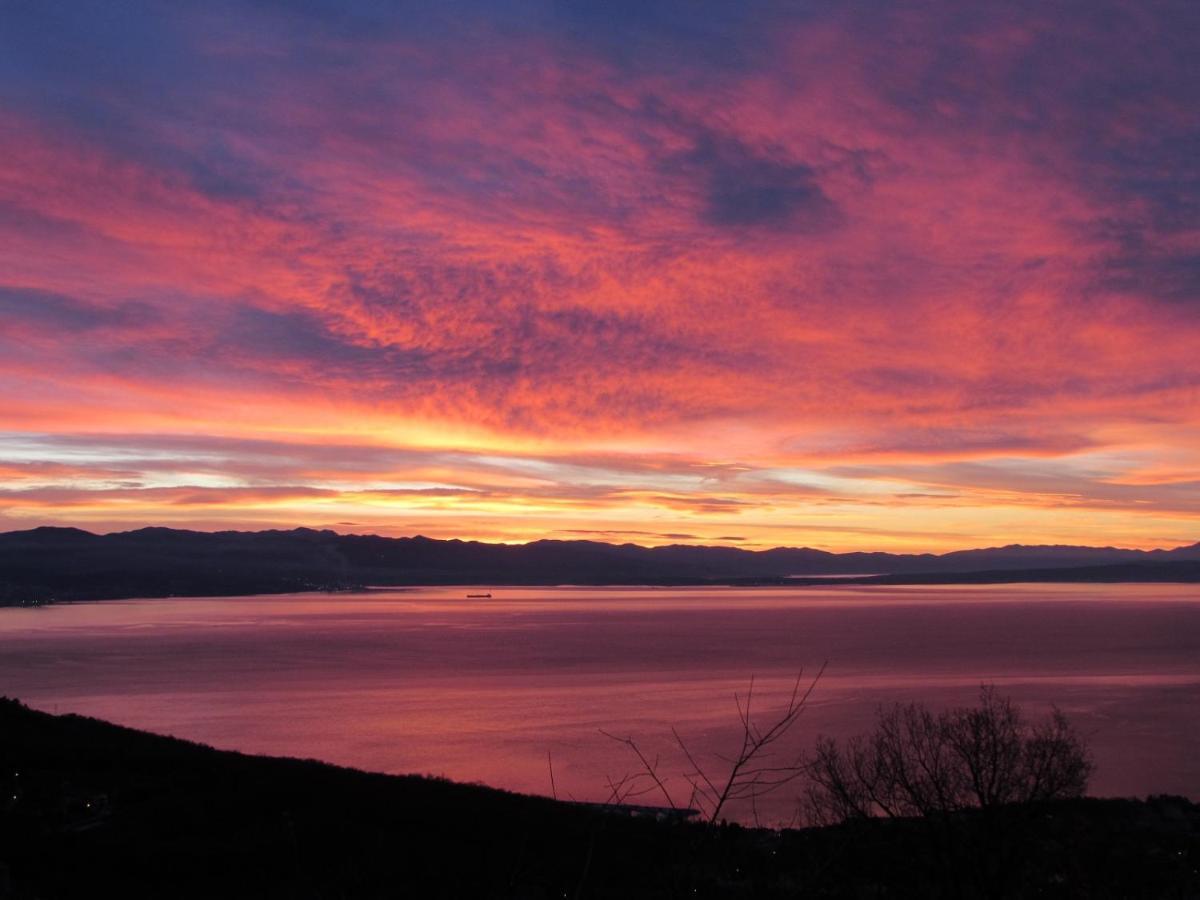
99, 807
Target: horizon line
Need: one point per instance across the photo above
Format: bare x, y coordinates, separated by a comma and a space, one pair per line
699, 546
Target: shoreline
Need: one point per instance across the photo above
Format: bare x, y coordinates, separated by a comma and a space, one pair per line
1158, 574
97, 807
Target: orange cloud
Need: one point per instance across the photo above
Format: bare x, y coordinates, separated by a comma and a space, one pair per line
888, 279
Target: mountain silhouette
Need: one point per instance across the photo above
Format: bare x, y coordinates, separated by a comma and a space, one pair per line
69, 563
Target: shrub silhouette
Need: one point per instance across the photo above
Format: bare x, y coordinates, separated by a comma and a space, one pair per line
920, 763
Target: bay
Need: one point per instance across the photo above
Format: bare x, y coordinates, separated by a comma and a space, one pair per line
499, 690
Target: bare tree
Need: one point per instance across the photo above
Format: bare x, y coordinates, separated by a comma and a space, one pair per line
1057, 762
754, 770
920, 763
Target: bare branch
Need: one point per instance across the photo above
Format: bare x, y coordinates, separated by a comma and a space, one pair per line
917, 762
751, 772
648, 769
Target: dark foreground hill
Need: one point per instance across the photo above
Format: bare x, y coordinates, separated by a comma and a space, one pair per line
70, 564
93, 810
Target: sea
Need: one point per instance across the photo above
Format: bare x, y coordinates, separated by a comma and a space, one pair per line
535, 689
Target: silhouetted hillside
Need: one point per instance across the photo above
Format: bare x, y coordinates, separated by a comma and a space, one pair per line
67, 563
89, 809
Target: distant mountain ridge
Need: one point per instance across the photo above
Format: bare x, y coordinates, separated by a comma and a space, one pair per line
69, 563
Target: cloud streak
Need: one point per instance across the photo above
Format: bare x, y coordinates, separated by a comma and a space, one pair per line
502, 268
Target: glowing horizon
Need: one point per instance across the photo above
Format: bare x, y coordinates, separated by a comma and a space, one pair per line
853, 276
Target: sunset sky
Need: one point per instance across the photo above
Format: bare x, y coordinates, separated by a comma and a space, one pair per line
850, 275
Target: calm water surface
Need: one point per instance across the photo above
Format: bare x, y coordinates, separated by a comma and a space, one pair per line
482, 690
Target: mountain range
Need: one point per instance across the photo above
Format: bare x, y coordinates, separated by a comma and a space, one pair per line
68, 563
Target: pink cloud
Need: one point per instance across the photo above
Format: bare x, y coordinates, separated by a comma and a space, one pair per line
918, 241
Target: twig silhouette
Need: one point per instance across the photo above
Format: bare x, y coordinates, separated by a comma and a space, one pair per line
752, 771
649, 770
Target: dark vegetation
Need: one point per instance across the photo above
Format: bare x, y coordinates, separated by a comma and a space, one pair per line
920, 763
916, 763
69, 564
93, 810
